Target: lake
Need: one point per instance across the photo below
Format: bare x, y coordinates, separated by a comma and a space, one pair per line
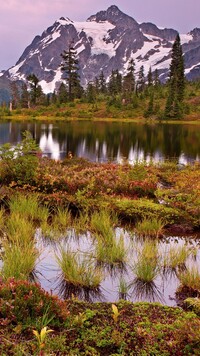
110, 141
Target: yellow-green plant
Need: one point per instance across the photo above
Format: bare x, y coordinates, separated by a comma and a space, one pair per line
176, 256
194, 303
28, 207
115, 314
190, 278
41, 338
111, 251
77, 270
150, 227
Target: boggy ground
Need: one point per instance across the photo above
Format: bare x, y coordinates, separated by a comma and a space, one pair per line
80, 328
166, 191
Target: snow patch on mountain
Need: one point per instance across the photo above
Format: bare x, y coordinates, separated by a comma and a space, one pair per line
50, 87
185, 38
14, 71
99, 34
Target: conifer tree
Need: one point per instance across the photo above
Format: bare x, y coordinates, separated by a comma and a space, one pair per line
62, 94
70, 68
24, 96
115, 82
150, 78
129, 78
141, 80
102, 83
176, 81
36, 94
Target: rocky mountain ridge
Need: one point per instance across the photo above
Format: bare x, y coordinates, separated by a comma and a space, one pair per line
106, 41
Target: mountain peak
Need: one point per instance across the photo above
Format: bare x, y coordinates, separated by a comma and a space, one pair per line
113, 15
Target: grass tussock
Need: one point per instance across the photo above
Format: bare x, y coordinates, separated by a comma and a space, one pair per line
102, 224
146, 268
28, 207
150, 227
176, 256
19, 262
112, 252
190, 278
77, 270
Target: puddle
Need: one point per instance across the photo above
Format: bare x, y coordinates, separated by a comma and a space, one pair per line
117, 282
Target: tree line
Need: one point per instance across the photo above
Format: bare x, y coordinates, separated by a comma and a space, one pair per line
117, 89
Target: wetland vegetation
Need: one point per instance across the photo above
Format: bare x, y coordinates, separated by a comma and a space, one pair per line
99, 221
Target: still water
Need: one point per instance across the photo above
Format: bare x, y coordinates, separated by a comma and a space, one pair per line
162, 288
114, 141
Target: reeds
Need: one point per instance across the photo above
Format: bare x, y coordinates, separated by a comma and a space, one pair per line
190, 278
28, 207
60, 221
19, 252
146, 268
77, 270
150, 227
111, 252
176, 257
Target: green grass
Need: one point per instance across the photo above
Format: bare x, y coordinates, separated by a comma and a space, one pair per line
190, 278
176, 256
146, 267
78, 271
60, 221
102, 224
150, 227
111, 252
28, 207
19, 262
19, 229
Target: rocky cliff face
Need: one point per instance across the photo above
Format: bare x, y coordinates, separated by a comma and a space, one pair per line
106, 41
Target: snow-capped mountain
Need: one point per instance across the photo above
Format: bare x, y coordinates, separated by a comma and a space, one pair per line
106, 41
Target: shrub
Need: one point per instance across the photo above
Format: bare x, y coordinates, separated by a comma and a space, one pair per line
24, 303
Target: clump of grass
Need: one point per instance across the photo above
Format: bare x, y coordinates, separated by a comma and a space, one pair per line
123, 289
19, 229
19, 262
102, 224
81, 223
146, 268
28, 207
77, 271
111, 252
193, 303
2, 219
150, 227
61, 220
176, 257
190, 278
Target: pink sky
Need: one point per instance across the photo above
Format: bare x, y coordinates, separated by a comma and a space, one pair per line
22, 20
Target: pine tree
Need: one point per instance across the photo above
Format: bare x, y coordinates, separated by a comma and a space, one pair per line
156, 80
102, 83
70, 68
176, 81
150, 78
62, 94
129, 78
141, 80
115, 83
35, 89
24, 100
